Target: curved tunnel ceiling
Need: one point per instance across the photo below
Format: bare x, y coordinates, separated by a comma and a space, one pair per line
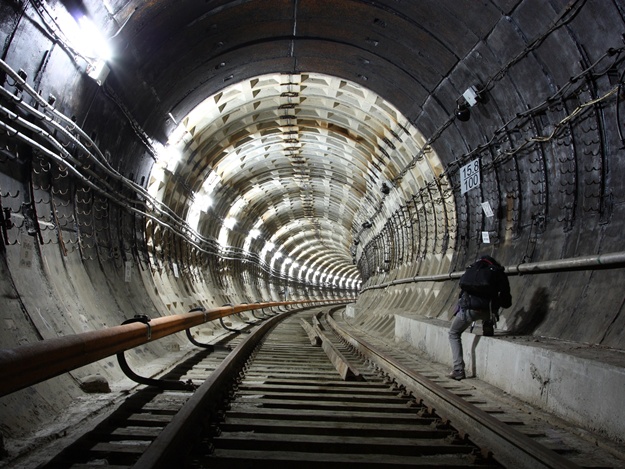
322, 137
292, 118
311, 134
296, 163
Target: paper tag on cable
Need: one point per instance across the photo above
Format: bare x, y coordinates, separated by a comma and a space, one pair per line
485, 237
488, 211
175, 269
127, 271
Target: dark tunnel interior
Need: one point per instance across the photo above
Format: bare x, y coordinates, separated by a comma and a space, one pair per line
228, 152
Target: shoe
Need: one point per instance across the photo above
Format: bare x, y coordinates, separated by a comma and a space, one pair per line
457, 375
488, 329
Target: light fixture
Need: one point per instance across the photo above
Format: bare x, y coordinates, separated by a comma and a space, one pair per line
471, 97
85, 37
98, 71
168, 156
462, 111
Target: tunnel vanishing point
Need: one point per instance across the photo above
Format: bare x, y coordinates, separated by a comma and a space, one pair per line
158, 156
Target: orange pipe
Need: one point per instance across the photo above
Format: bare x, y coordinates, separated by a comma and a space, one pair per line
30, 364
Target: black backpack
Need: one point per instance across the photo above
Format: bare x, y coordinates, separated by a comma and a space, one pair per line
480, 279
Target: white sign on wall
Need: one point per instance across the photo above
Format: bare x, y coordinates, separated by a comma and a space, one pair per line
485, 237
470, 176
488, 211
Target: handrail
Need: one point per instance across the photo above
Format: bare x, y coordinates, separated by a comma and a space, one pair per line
33, 363
607, 260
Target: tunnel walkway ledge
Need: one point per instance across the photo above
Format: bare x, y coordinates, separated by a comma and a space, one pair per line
579, 383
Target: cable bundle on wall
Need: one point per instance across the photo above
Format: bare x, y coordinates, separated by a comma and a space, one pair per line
34, 135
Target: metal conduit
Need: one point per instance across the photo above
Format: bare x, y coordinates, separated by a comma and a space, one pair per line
30, 364
612, 259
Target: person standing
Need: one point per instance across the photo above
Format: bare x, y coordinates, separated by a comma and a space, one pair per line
484, 289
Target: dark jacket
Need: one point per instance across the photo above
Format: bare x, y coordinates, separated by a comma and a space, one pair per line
500, 298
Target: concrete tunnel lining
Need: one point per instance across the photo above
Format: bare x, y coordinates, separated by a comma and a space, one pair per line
305, 152
547, 131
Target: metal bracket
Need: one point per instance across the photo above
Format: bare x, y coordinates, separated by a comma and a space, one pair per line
5, 221
246, 322
253, 312
161, 383
236, 331
262, 311
210, 347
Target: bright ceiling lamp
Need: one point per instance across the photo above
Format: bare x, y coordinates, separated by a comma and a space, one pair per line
253, 234
201, 203
83, 35
277, 255
167, 157
92, 41
230, 222
85, 38
227, 225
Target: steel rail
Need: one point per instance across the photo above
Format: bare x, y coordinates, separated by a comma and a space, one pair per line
166, 450
29, 364
510, 447
607, 260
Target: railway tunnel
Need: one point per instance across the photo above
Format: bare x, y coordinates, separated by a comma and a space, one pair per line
162, 156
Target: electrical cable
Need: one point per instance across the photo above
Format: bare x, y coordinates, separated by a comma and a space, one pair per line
100, 160
114, 196
453, 168
182, 229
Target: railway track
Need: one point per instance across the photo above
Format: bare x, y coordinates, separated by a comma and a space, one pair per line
124, 436
307, 396
292, 408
